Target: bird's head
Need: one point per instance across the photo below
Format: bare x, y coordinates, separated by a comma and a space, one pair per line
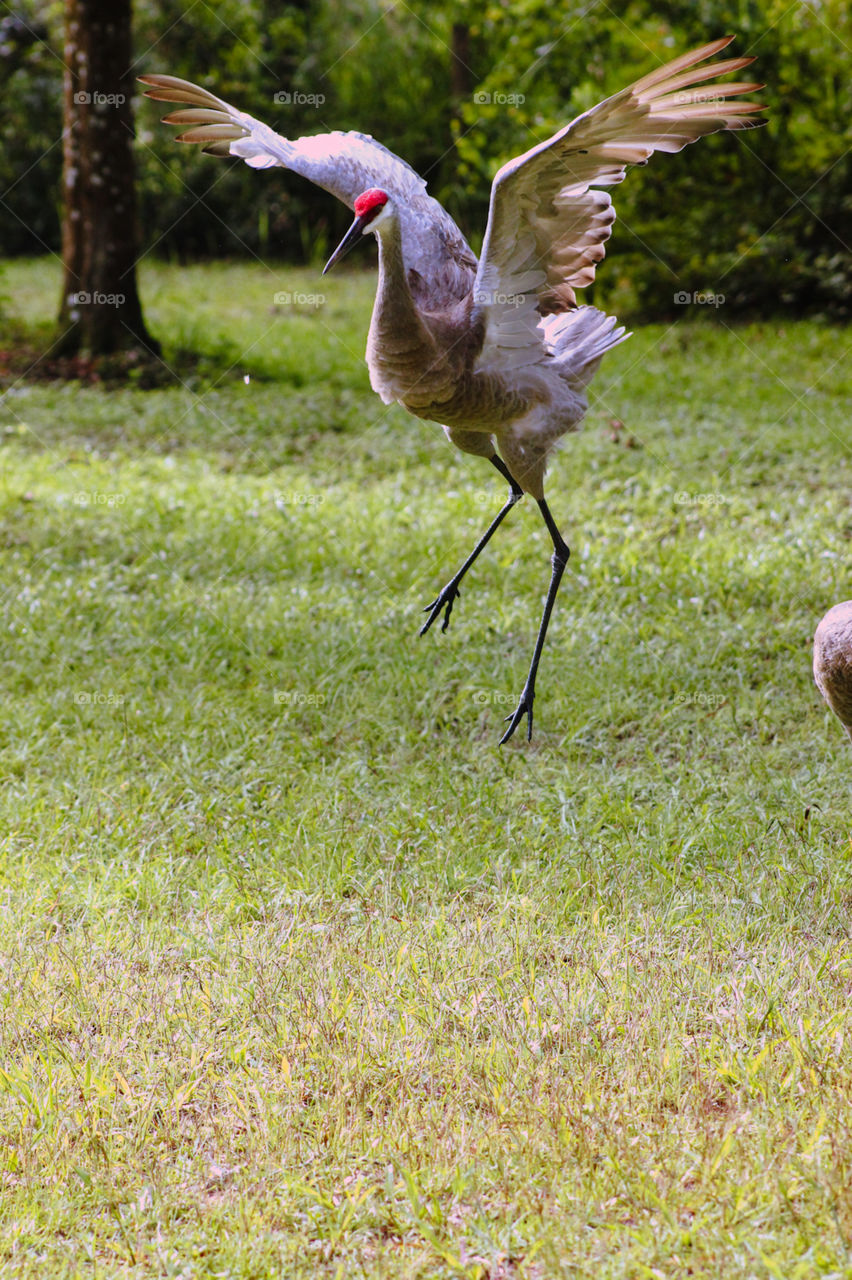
372, 208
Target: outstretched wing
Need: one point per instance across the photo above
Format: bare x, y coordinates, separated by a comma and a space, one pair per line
548, 220
345, 164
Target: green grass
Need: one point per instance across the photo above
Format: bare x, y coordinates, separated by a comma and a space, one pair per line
303, 975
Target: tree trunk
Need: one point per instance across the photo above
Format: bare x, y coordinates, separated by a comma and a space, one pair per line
100, 310
461, 76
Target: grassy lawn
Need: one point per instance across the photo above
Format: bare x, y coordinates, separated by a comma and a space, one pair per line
305, 976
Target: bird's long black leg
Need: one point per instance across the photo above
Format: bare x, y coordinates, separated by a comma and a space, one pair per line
561, 553
446, 599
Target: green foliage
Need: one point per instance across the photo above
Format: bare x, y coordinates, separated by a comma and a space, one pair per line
762, 218
30, 130
246, 53
303, 975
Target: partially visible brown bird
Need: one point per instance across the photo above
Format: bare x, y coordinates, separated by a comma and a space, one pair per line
833, 661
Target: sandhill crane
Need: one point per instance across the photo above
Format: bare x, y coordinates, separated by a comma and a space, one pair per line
833, 661
496, 351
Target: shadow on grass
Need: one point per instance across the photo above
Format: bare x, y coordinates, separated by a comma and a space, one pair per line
28, 354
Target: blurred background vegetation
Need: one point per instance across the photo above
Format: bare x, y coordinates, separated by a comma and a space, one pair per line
762, 217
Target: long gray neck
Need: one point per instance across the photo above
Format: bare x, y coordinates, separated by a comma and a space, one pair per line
394, 309
404, 360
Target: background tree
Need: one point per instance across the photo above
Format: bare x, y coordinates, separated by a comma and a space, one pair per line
100, 310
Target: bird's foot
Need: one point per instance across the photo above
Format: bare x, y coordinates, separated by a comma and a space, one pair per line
445, 600
524, 708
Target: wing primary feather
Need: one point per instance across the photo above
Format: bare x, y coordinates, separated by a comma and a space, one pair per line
553, 193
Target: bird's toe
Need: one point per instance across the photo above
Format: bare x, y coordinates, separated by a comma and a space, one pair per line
524, 708
445, 601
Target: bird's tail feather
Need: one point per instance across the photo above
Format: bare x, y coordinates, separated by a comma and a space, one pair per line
578, 339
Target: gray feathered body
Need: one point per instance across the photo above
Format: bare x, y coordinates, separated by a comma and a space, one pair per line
426, 358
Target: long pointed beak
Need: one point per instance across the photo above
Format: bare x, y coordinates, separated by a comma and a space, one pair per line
353, 235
